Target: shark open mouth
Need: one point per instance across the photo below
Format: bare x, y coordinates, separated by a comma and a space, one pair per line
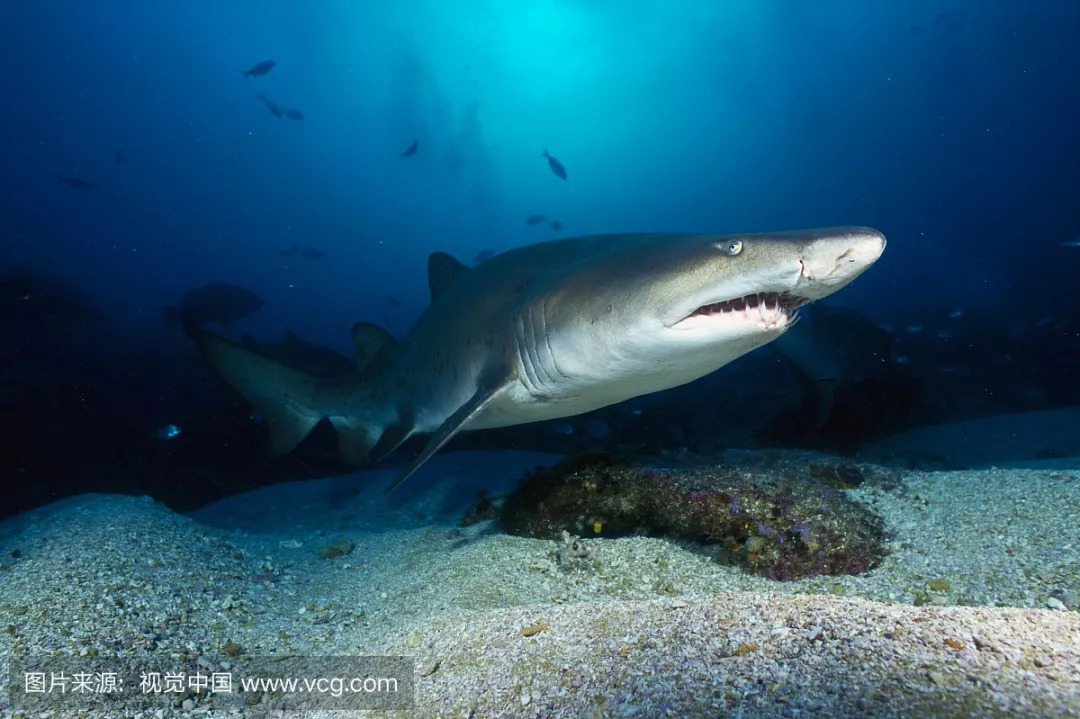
769, 308
767, 301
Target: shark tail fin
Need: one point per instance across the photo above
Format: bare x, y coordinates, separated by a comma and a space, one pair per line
288, 399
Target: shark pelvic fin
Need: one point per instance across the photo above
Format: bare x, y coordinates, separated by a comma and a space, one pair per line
285, 397
287, 428
485, 393
442, 271
370, 340
391, 438
355, 439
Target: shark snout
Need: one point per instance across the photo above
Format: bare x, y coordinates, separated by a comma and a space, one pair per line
836, 257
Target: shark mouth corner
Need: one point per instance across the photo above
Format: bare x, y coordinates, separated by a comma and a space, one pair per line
773, 310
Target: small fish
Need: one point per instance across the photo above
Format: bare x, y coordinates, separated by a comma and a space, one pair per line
393, 301
482, 255
169, 431
412, 149
534, 219
260, 69
1074, 242
956, 314
273, 108
556, 225
76, 182
293, 114
555, 165
913, 329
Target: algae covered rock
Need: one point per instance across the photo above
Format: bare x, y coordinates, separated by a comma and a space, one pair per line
775, 517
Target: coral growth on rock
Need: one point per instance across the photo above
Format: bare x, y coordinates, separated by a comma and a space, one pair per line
777, 517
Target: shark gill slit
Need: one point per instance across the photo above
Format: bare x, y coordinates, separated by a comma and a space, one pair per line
525, 353
532, 381
536, 331
555, 370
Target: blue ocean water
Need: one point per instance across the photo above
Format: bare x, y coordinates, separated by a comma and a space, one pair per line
222, 227
141, 162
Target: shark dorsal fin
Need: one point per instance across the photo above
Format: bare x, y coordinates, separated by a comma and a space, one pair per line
370, 340
442, 270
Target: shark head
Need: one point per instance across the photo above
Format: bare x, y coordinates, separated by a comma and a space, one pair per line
649, 312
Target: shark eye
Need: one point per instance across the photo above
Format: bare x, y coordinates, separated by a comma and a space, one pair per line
731, 248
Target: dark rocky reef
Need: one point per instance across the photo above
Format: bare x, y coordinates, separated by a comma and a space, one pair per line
779, 517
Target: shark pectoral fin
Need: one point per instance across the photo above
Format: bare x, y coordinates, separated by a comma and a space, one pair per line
370, 340
453, 424
442, 271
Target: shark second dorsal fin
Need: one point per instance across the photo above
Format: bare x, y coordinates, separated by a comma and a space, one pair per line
442, 270
370, 340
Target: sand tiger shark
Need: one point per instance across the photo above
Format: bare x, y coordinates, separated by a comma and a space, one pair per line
551, 330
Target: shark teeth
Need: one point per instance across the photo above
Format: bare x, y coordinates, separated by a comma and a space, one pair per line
768, 301
769, 308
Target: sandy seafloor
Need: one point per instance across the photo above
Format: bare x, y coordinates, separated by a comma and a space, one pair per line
974, 613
